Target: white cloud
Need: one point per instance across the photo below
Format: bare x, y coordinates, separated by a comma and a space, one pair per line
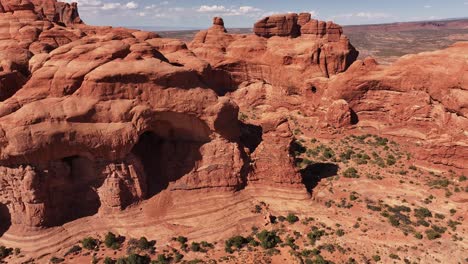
111, 6
211, 9
363, 16
427, 6
131, 5
371, 15
231, 11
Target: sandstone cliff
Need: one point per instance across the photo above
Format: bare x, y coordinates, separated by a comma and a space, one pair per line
94, 120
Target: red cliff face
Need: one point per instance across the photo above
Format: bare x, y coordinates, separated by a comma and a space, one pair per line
96, 119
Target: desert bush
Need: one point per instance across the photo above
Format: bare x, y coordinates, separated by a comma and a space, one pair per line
56, 260
73, 250
422, 213
418, 235
292, 218
315, 235
109, 260
453, 224
431, 234
351, 173
195, 247
237, 242
391, 160
340, 232
113, 241
5, 252
90, 243
268, 239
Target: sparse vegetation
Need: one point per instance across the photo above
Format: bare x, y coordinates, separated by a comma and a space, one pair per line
351, 173
90, 243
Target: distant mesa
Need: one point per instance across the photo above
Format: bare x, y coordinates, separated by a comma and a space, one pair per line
295, 25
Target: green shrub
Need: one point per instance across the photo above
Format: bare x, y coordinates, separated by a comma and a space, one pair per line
439, 229
376, 258
394, 221
144, 244
431, 234
292, 218
418, 235
206, 244
394, 256
56, 260
439, 216
182, 240
90, 243
340, 232
374, 208
422, 213
109, 260
351, 173
391, 160
237, 242
315, 235
112, 241
195, 247
5, 252
73, 250
268, 239
453, 224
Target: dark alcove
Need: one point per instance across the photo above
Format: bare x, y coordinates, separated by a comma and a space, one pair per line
314, 173
165, 159
73, 195
5, 219
251, 136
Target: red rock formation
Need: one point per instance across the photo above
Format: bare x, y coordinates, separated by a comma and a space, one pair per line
96, 119
420, 97
249, 57
278, 25
294, 25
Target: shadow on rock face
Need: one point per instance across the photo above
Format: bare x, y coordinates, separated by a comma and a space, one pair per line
72, 195
165, 159
251, 136
314, 173
5, 219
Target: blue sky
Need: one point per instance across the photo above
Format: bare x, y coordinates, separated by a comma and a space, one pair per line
240, 13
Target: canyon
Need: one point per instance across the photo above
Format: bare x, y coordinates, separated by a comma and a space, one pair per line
117, 129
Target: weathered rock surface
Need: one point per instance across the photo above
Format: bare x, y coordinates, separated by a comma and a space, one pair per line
97, 119
282, 62
294, 25
422, 97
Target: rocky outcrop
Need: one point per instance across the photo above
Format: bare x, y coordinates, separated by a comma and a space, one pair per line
411, 100
278, 25
97, 119
294, 25
53, 11
250, 57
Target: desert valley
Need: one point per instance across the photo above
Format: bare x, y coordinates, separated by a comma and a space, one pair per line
285, 144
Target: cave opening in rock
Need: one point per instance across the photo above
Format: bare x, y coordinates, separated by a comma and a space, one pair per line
165, 159
251, 136
5, 219
313, 89
72, 194
314, 173
354, 118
